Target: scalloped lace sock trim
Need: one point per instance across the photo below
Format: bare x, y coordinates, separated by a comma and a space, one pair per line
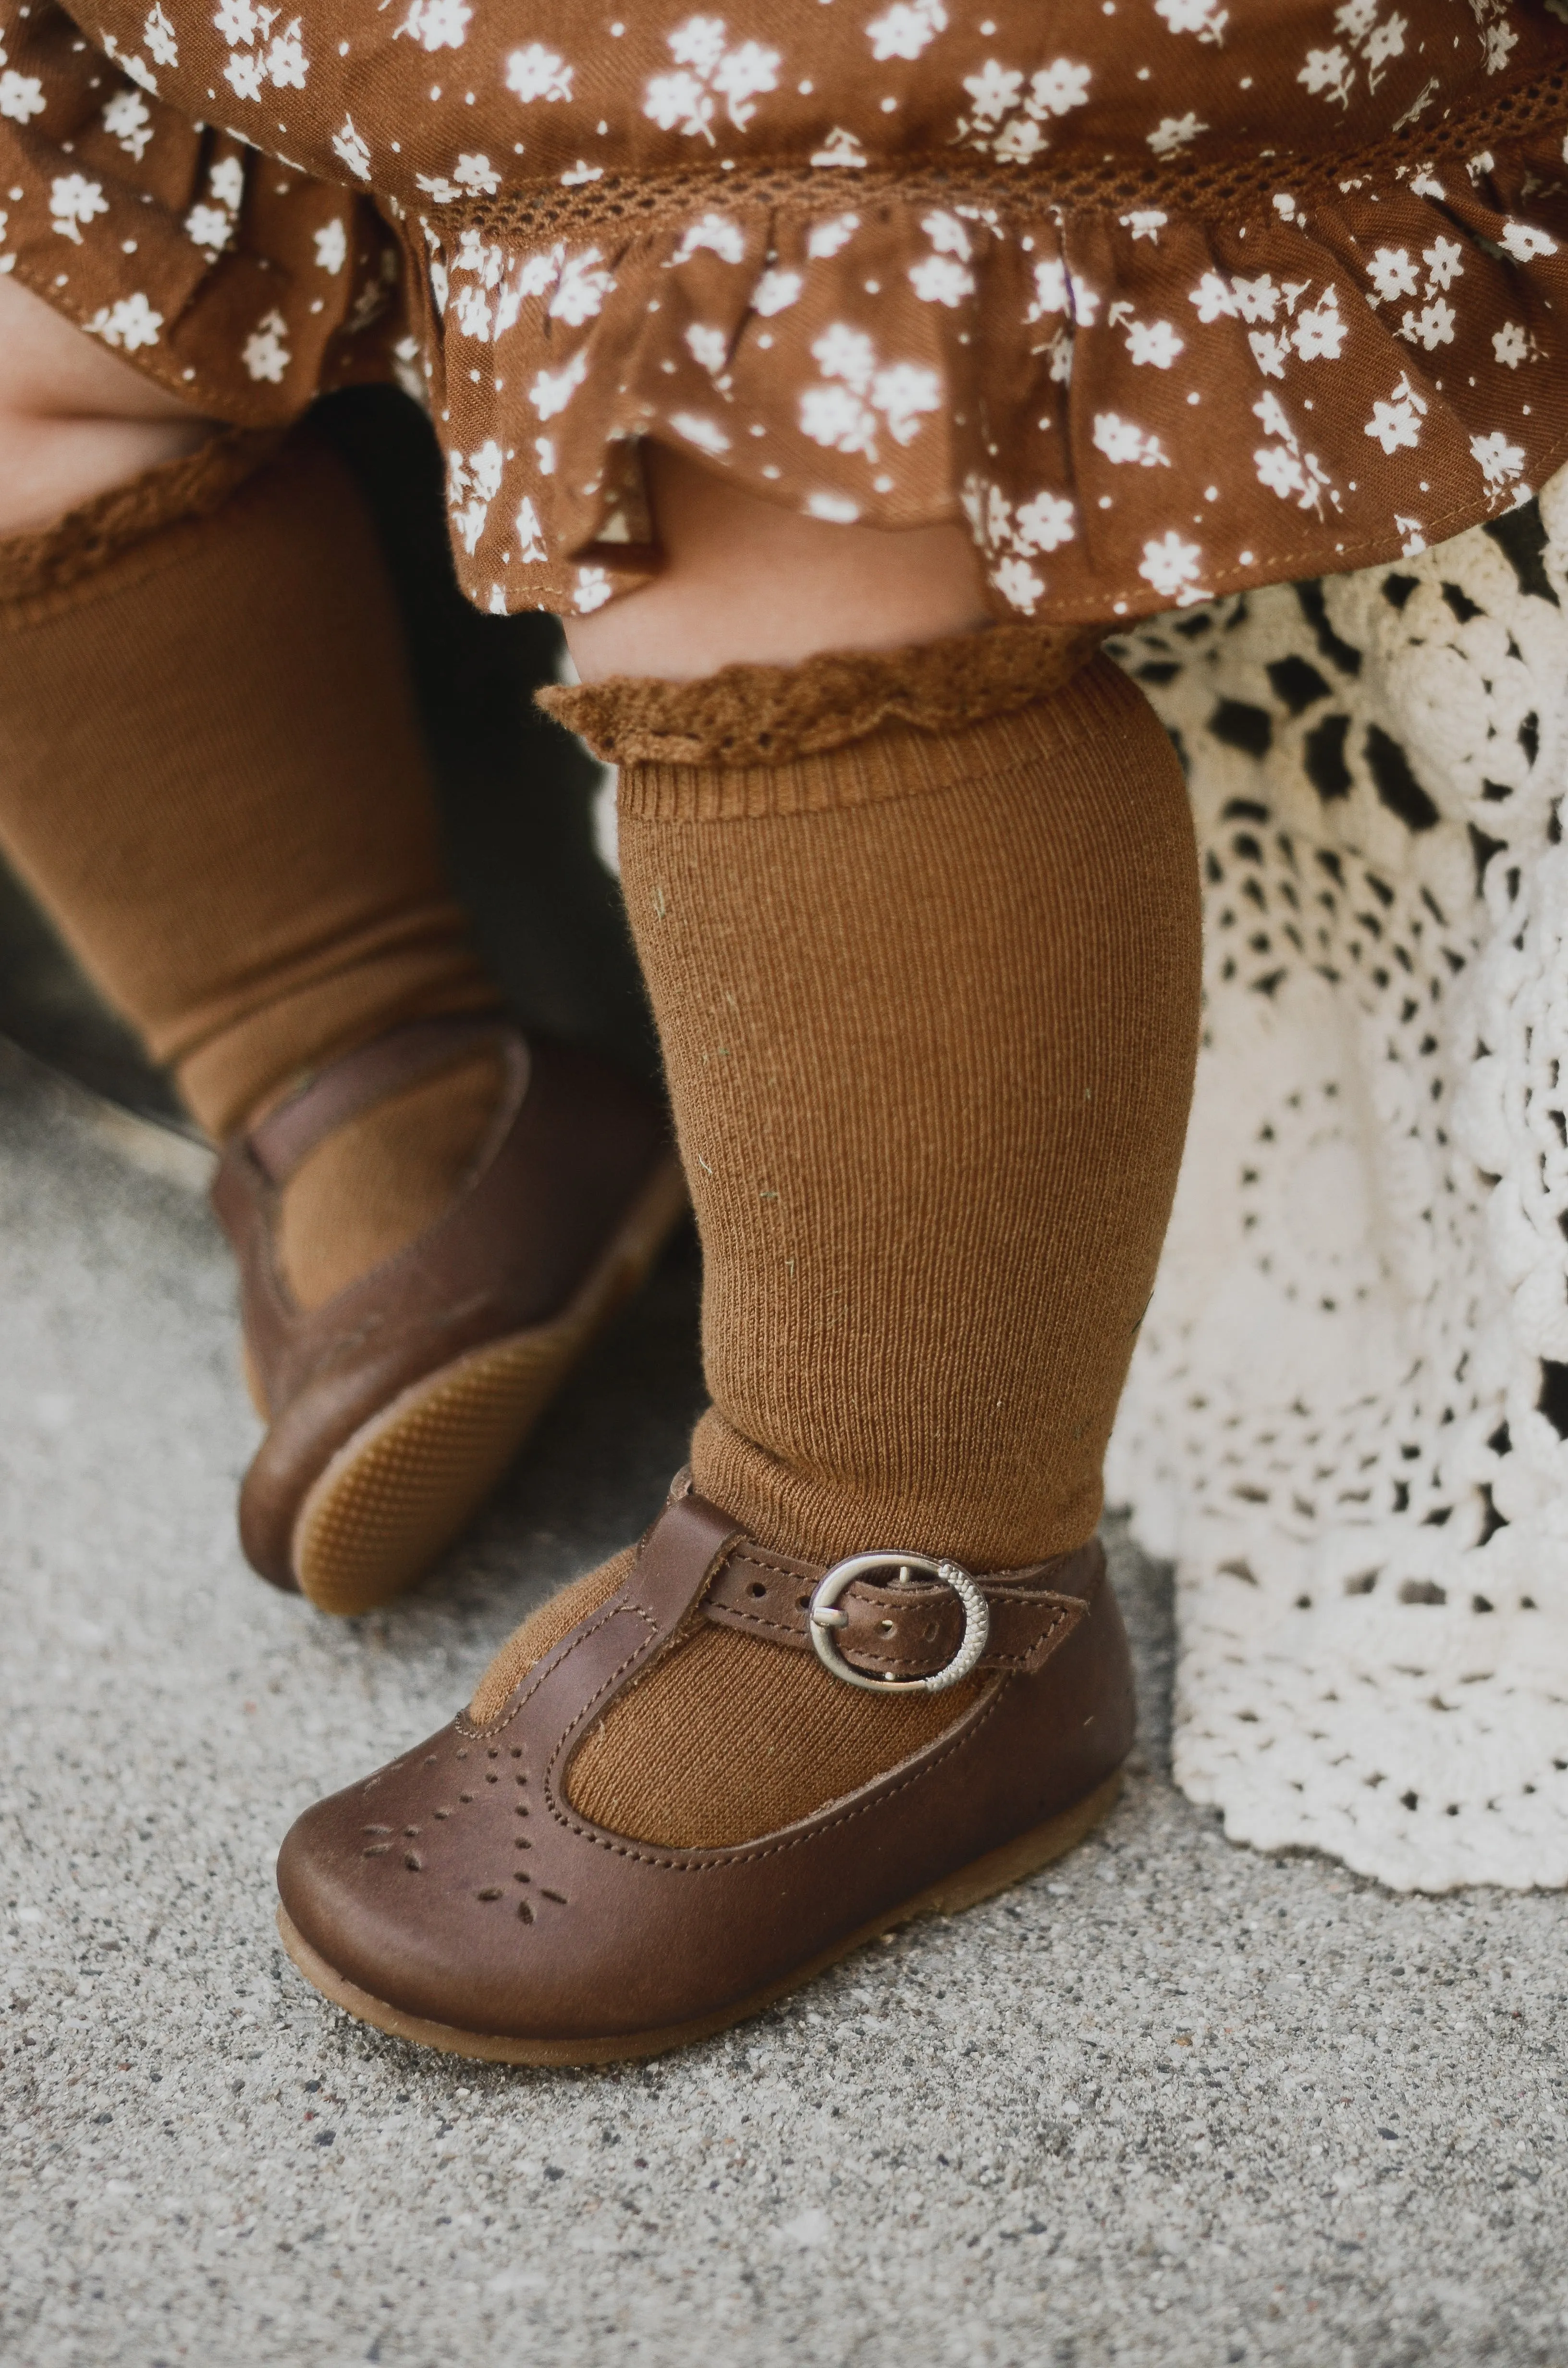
770, 715
211, 774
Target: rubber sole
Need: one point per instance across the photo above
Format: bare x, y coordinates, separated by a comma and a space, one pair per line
408, 1482
982, 1879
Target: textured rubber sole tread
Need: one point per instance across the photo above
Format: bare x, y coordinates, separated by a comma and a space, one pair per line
982, 1879
409, 1480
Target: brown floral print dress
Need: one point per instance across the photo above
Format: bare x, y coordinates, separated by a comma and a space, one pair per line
1165, 297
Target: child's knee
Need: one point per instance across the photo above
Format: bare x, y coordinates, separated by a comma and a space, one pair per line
76, 419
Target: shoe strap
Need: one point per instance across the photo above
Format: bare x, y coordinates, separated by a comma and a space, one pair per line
280, 1142
909, 1630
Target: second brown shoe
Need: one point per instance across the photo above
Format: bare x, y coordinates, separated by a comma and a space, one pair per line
395, 1408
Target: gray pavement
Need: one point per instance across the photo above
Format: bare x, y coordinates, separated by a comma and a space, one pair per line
1170, 2102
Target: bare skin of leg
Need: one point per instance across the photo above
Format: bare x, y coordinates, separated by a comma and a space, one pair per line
74, 419
747, 582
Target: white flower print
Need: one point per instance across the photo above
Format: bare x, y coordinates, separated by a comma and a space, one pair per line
472, 308
125, 121
1500, 461
159, 35
287, 64
484, 260
1017, 583
130, 324
909, 27
266, 354
538, 73
530, 534
775, 291
436, 24
1145, 221
238, 22
1056, 290
843, 413
1512, 344
244, 75
1152, 345
1269, 351
941, 279
477, 175
544, 446
1043, 524
997, 90
594, 589
332, 247
1328, 73
1120, 441
1433, 326
944, 278
840, 149
1320, 333
1397, 425
1524, 242
74, 199
209, 228
1444, 264
708, 347
22, 96
349, 144
472, 483
1285, 468
552, 389
825, 238
1172, 566
994, 91
715, 233
1199, 17
1391, 273
705, 434
581, 291
688, 101
226, 183
1175, 133
837, 509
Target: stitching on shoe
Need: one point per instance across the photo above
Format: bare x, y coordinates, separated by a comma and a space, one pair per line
747, 1854
462, 1724
734, 1613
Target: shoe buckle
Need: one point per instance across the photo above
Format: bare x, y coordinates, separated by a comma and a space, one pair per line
825, 1617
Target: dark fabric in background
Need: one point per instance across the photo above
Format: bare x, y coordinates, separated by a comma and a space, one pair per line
516, 795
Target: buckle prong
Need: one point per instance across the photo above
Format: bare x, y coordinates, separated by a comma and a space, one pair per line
825, 1616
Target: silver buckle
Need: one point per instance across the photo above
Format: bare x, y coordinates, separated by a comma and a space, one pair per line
825, 1617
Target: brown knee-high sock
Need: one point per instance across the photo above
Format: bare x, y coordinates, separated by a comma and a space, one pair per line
928, 1001
212, 776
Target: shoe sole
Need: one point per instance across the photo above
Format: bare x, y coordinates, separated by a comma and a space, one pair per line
408, 1481
982, 1879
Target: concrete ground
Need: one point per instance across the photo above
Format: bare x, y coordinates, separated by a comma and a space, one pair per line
1169, 2103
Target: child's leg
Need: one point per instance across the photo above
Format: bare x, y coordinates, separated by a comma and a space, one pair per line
212, 775
929, 1003
921, 934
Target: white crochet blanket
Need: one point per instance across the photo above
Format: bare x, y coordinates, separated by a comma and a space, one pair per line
1347, 1418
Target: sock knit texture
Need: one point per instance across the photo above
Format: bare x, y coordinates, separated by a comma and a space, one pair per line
212, 773
929, 1005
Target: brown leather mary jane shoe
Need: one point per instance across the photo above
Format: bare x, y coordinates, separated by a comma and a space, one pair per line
459, 1899
395, 1408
